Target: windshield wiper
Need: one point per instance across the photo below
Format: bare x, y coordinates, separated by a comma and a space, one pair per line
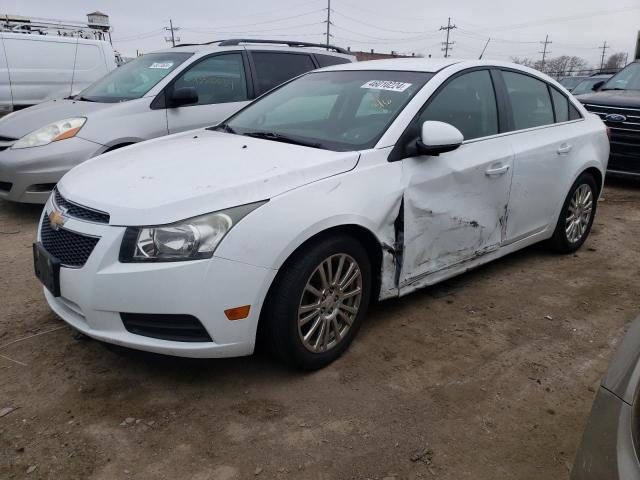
222, 126
83, 99
615, 88
276, 137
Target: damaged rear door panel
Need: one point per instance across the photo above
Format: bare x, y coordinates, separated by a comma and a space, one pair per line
455, 206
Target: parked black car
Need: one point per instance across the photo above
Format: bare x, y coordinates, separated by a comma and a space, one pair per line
571, 82
618, 104
590, 84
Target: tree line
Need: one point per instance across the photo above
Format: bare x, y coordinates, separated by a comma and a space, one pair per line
571, 64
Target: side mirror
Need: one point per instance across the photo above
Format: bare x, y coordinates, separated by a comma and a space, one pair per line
438, 137
596, 86
183, 96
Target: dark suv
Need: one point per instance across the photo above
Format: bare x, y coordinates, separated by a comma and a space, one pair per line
618, 104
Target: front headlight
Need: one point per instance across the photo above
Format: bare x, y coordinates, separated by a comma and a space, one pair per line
51, 133
190, 239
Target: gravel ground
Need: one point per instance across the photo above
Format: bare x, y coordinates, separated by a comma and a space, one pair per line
489, 375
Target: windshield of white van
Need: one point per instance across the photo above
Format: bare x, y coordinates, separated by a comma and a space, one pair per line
134, 79
335, 110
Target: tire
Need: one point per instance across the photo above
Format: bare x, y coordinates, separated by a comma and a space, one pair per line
298, 293
565, 239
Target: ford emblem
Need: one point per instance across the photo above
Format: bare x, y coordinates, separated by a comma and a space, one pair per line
615, 117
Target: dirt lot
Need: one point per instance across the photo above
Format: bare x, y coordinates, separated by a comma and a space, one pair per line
490, 375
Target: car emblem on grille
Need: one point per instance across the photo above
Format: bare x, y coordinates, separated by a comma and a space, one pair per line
56, 220
615, 117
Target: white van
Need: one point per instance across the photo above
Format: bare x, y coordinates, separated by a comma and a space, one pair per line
35, 68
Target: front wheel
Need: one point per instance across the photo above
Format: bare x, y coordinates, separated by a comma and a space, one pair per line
318, 302
576, 217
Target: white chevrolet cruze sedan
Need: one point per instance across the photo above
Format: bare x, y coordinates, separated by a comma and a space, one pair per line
348, 184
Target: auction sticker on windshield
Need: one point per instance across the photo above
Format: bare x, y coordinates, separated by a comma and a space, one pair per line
163, 66
386, 85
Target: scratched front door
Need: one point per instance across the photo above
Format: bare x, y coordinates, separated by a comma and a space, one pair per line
455, 206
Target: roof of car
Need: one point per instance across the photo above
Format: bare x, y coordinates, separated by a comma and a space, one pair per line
413, 64
218, 45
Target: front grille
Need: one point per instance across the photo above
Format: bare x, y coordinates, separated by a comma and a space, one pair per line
78, 211
627, 132
72, 249
6, 186
625, 137
173, 327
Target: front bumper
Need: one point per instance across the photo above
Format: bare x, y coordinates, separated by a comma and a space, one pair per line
93, 296
26, 174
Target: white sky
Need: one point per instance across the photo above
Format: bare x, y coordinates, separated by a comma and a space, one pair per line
576, 27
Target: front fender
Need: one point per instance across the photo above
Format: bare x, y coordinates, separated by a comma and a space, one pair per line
368, 197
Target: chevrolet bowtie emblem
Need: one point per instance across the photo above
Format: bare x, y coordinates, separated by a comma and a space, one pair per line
56, 220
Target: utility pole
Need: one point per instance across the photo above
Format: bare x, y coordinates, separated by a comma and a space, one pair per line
328, 21
544, 51
172, 29
447, 45
604, 48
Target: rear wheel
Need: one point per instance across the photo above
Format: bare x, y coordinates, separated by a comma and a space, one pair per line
577, 215
318, 302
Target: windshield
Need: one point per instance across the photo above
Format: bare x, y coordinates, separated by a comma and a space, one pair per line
626, 79
570, 82
336, 110
586, 85
134, 79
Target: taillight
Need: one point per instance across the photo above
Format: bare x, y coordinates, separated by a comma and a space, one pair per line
609, 133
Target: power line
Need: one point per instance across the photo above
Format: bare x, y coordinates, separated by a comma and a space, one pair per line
544, 50
447, 44
604, 48
377, 27
275, 29
172, 29
274, 20
567, 18
386, 40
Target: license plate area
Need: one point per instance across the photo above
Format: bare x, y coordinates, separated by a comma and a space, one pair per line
47, 268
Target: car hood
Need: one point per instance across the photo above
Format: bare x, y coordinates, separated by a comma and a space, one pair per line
20, 123
188, 174
612, 98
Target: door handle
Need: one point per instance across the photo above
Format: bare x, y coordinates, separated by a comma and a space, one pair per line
564, 149
494, 171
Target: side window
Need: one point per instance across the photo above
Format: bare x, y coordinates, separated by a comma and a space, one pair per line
560, 105
467, 102
327, 60
274, 68
217, 79
574, 114
530, 100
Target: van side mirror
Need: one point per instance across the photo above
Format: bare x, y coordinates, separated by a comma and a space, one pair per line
183, 96
438, 137
596, 86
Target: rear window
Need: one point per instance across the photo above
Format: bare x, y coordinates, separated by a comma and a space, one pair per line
530, 100
328, 60
274, 68
560, 105
574, 114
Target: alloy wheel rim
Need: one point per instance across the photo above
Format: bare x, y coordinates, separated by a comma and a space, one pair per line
329, 303
579, 213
